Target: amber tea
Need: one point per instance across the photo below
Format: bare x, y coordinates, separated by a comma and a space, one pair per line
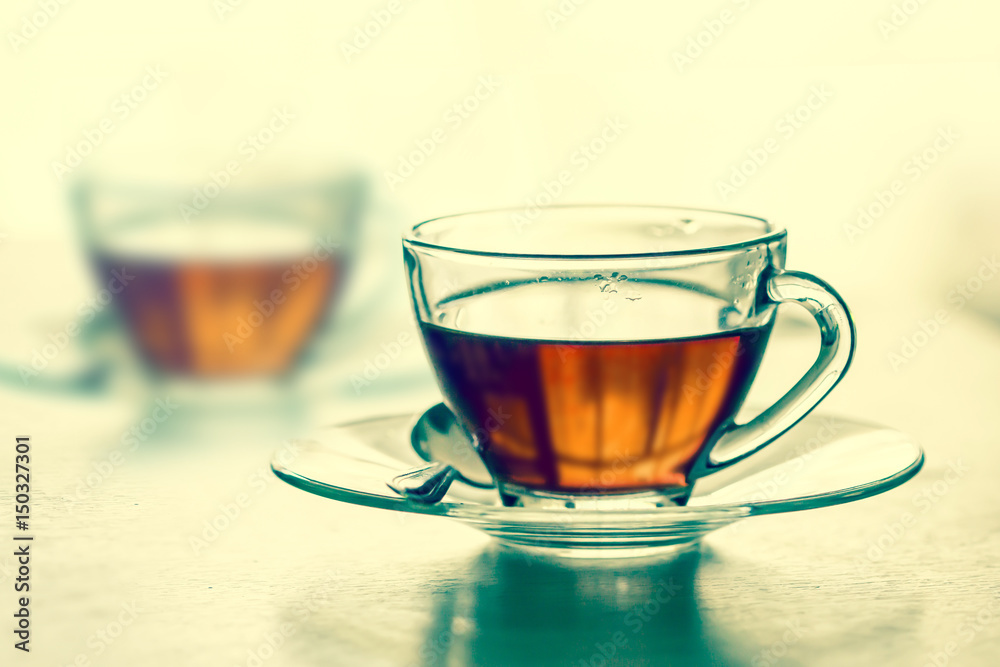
235, 300
594, 417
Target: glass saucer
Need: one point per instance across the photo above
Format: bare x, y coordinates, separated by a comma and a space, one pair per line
824, 460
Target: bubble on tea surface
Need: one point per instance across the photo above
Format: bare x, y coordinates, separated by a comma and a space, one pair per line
690, 226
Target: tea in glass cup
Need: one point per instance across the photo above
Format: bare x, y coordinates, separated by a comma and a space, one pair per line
604, 351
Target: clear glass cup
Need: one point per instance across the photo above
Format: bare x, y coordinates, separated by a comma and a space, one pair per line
217, 282
218, 296
600, 354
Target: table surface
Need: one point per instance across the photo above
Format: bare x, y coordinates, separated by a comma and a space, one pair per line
127, 568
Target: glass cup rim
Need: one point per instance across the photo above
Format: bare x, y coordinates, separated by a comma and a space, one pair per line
771, 232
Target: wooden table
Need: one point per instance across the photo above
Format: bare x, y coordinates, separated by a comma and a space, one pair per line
133, 572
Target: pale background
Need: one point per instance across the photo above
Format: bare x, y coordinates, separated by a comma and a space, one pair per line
560, 80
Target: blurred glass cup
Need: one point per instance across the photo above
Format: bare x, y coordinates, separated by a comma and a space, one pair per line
222, 282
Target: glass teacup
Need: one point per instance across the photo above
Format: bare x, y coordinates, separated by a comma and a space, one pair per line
600, 354
229, 284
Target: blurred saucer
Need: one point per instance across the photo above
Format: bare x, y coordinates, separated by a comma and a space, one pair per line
824, 460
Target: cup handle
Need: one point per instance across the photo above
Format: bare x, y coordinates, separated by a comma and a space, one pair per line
837, 341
